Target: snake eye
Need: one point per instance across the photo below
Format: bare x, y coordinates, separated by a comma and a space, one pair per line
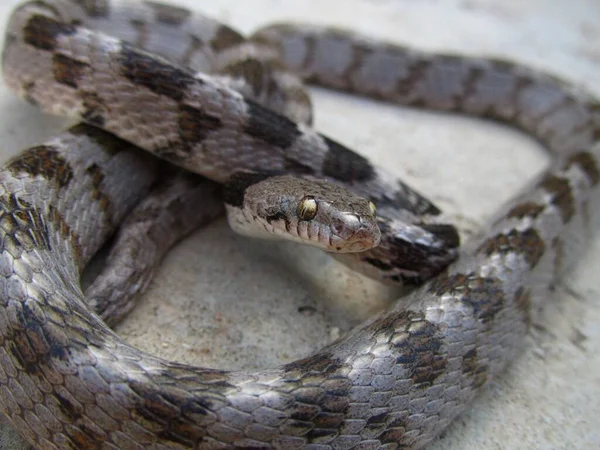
307, 208
373, 208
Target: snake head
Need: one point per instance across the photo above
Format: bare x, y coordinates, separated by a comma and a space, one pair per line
305, 210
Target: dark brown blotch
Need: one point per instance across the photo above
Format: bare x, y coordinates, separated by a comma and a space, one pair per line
523, 304
405, 86
60, 225
447, 234
42, 32
359, 52
429, 362
235, 188
157, 75
587, 164
252, 71
29, 93
97, 176
68, 71
506, 69
293, 165
68, 407
85, 437
378, 263
94, 109
483, 294
320, 435
95, 8
471, 78
417, 343
502, 65
20, 351
322, 363
471, 367
322, 405
17, 216
345, 165
179, 437
521, 83
106, 141
526, 209
327, 420
37, 337
378, 418
408, 262
395, 434
169, 413
470, 85
269, 127
195, 124
527, 243
296, 428
157, 408
59, 351
276, 217
44, 161
406, 198
303, 411
225, 37
169, 14
562, 196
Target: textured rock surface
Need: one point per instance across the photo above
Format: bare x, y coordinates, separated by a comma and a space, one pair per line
223, 301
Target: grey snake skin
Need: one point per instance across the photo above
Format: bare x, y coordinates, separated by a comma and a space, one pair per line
396, 381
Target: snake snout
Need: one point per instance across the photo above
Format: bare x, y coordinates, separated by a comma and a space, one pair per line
355, 233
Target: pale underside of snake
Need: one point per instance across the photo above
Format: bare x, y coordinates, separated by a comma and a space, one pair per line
68, 381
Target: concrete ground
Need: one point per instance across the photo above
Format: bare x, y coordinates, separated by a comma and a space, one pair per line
224, 301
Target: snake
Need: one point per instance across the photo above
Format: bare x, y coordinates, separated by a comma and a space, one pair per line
395, 381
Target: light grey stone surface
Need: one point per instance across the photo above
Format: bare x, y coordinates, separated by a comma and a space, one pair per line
227, 302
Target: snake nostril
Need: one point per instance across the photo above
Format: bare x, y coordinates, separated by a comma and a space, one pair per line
338, 228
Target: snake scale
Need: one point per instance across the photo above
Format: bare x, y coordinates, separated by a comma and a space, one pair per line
396, 381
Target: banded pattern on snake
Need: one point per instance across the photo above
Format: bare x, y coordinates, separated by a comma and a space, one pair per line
418, 367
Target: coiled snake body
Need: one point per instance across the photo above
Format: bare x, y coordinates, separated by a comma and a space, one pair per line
393, 382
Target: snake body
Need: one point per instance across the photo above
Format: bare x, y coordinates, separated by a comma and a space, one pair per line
396, 381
